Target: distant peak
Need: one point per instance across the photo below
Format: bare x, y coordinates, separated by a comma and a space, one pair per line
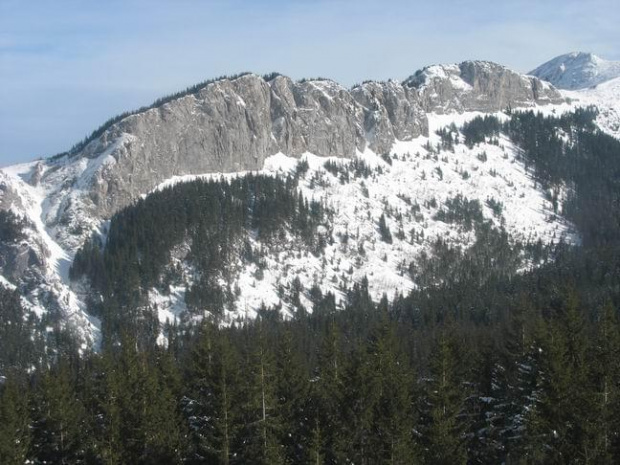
587, 55
577, 70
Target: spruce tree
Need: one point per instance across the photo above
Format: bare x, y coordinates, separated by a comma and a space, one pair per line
214, 404
60, 428
108, 433
607, 368
261, 426
327, 391
292, 393
14, 422
394, 418
444, 431
563, 424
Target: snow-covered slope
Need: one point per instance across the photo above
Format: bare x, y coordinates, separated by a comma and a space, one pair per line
409, 190
577, 70
587, 80
43, 278
606, 98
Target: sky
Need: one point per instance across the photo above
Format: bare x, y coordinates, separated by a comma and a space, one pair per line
66, 66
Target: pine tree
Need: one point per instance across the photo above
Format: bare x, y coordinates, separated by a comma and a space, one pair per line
261, 426
292, 393
60, 426
444, 432
14, 422
393, 416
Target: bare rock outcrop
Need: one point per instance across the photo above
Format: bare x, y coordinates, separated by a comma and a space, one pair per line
234, 124
478, 86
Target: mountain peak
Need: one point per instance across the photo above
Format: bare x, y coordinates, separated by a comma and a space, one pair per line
577, 70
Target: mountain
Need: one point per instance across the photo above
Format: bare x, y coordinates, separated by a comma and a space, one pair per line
257, 270
577, 70
250, 123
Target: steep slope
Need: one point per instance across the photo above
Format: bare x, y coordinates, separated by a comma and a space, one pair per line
228, 126
577, 70
36, 263
410, 188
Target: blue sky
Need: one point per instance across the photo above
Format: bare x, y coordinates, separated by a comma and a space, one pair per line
67, 66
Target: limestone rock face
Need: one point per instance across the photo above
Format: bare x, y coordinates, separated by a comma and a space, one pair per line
391, 111
478, 86
234, 124
22, 259
315, 116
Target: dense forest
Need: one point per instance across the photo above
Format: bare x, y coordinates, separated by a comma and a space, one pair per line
479, 364
213, 222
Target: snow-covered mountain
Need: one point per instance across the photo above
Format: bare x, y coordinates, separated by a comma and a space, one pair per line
269, 124
577, 70
586, 79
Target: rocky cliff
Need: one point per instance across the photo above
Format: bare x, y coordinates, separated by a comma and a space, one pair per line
234, 124
478, 86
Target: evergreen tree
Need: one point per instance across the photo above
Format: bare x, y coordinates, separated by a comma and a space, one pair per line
60, 428
393, 415
327, 393
384, 230
444, 432
292, 393
214, 406
14, 422
108, 433
607, 357
564, 422
142, 422
262, 428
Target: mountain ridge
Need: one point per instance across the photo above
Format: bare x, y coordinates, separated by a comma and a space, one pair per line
237, 123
